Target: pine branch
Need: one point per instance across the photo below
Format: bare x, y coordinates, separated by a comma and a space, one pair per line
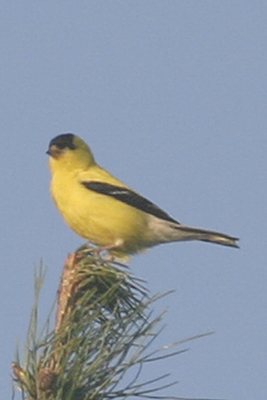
102, 332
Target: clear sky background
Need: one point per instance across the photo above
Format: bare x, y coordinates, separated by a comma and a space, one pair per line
172, 98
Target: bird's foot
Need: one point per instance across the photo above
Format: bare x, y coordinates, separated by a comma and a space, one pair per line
86, 250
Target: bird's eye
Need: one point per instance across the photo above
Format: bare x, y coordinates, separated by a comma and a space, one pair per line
61, 145
64, 141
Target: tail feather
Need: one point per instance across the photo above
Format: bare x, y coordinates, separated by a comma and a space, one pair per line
188, 233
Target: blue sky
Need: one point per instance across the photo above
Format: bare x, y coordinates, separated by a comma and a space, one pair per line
171, 97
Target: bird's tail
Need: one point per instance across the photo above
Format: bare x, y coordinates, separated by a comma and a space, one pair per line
187, 233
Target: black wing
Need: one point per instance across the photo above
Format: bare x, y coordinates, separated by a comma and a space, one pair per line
129, 197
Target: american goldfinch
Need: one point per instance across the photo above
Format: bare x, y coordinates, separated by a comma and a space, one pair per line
105, 211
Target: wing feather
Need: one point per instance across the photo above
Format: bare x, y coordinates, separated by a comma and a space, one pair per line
128, 196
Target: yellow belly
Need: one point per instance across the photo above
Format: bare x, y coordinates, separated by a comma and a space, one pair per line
100, 219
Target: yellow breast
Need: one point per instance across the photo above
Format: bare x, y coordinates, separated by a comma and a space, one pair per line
98, 218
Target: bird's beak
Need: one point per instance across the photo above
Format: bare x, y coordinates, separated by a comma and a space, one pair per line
54, 151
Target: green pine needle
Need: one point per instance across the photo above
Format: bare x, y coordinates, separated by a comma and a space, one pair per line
100, 344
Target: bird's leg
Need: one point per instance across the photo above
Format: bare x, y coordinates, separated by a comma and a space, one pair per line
83, 250
109, 247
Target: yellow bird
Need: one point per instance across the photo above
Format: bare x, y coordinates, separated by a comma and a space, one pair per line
105, 211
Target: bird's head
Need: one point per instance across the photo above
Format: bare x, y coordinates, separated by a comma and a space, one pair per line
69, 152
